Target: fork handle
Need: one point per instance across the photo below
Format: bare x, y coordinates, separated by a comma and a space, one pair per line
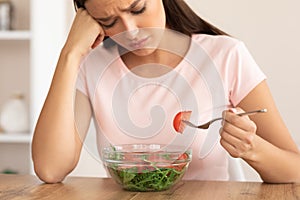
241, 114
252, 112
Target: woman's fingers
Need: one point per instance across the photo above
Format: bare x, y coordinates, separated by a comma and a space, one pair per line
85, 33
236, 146
237, 133
243, 122
98, 40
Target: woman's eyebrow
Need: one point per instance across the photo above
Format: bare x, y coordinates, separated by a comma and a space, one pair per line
131, 6
134, 4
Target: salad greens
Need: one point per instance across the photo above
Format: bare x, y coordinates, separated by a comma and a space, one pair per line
136, 179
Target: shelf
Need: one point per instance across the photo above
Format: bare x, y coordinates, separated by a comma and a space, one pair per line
15, 137
15, 35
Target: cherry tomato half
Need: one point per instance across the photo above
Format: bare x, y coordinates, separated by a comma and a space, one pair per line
178, 125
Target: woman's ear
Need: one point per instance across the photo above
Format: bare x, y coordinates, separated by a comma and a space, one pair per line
78, 5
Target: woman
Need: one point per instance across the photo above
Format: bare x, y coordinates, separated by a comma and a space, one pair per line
138, 29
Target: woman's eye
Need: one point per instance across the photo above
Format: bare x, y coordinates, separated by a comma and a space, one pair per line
134, 12
137, 12
108, 25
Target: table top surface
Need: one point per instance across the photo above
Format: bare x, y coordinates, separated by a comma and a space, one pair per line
15, 187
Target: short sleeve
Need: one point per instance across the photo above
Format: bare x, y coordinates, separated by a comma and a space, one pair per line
81, 82
245, 73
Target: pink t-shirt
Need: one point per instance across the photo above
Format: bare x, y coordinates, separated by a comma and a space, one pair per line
216, 73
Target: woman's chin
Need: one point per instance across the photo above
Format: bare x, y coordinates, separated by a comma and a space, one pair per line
143, 51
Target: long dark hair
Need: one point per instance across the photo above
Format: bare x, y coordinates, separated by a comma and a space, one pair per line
179, 17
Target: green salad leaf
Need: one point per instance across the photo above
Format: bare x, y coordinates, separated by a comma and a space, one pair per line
135, 179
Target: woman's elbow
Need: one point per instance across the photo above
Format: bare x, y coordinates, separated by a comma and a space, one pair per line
48, 175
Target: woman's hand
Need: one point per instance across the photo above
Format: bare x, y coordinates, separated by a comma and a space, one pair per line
85, 34
238, 134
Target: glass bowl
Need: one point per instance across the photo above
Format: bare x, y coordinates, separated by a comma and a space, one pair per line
146, 167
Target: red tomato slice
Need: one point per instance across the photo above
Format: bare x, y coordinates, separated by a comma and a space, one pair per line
183, 156
178, 125
179, 166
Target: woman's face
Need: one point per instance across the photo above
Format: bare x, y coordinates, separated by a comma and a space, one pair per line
137, 25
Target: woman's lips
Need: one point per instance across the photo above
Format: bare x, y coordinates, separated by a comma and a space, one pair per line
139, 44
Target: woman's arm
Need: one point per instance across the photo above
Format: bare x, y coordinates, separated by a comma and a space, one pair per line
262, 140
56, 142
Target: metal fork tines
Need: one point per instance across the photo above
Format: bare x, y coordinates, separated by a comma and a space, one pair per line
203, 126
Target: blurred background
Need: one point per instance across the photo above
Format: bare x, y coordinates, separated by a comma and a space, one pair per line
32, 33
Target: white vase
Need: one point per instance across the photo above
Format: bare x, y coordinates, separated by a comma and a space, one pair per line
14, 115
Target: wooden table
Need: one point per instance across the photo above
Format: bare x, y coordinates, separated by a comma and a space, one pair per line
17, 187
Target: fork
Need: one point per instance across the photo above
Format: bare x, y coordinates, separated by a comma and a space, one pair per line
207, 124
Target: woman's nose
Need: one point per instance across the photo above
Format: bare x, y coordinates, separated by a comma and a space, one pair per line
132, 34
131, 29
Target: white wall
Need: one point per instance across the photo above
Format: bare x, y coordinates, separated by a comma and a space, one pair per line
48, 37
